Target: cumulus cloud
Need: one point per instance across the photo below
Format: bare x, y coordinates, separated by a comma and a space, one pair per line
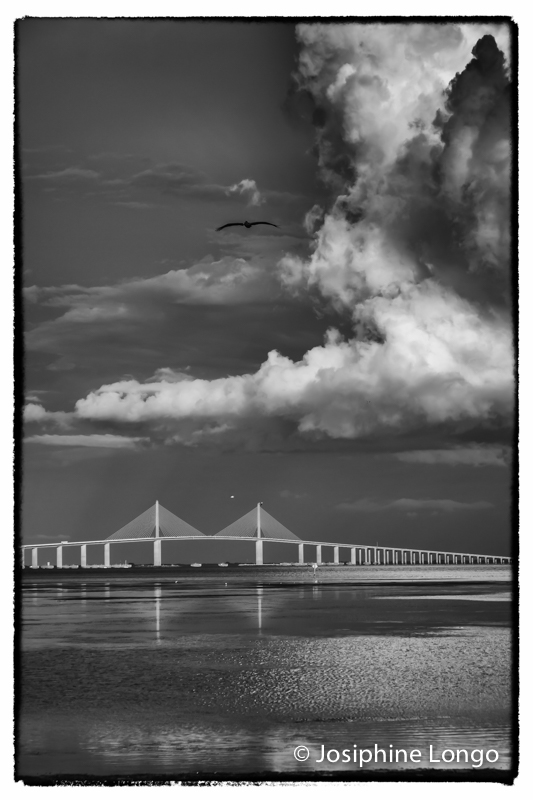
248, 188
472, 456
413, 141
369, 505
35, 412
455, 370
107, 440
414, 136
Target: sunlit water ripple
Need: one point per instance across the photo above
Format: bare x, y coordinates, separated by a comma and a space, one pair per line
227, 672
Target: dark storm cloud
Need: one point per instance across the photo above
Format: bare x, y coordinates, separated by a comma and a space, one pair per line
444, 202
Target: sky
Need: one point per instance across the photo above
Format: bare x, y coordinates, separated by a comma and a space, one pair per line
352, 369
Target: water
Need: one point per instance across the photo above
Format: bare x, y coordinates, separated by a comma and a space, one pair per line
226, 671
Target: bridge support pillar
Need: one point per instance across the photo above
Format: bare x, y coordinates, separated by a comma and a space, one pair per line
300, 554
59, 557
352, 555
319, 554
335, 555
259, 552
107, 554
83, 555
34, 557
157, 552
22, 559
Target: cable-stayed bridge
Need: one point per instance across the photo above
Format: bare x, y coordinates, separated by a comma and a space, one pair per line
157, 524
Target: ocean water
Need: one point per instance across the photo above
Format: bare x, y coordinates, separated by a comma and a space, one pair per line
244, 671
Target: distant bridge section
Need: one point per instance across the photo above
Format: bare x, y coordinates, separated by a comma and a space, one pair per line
258, 526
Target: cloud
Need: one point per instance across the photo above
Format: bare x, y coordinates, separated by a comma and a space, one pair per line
61, 365
68, 174
288, 495
452, 369
226, 281
472, 456
412, 139
249, 189
415, 138
33, 397
35, 412
107, 440
122, 182
369, 505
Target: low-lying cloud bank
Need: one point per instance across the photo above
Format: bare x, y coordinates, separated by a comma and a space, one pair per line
106, 440
453, 370
472, 456
368, 505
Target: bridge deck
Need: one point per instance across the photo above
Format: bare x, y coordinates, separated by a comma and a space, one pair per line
203, 538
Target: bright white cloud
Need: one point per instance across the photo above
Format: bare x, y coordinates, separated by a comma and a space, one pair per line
35, 412
248, 188
439, 362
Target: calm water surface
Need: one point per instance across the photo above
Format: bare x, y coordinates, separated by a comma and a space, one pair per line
197, 672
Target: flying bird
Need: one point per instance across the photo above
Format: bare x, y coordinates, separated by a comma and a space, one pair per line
246, 224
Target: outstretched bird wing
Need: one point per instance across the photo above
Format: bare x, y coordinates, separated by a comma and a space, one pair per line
265, 223
229, 224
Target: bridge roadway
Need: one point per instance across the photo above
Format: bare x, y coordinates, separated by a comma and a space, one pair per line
360, 555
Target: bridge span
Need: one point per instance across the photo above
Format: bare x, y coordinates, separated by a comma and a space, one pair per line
157, 524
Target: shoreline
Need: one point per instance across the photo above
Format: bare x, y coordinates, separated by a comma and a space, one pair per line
268, 574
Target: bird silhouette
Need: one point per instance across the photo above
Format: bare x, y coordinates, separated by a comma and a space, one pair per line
246, 224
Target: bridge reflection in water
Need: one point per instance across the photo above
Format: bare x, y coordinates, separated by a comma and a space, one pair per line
157, 524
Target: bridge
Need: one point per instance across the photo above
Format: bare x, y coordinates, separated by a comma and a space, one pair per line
157, 524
